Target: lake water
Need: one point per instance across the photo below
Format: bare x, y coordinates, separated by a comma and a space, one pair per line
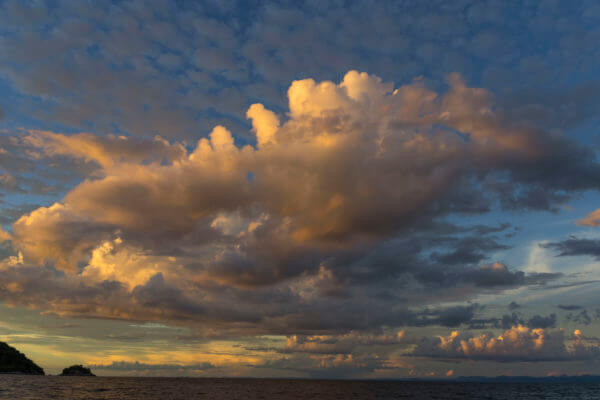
102, 388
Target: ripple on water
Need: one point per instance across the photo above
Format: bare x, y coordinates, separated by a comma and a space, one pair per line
112, 388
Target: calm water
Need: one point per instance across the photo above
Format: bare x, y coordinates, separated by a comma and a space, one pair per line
53, 387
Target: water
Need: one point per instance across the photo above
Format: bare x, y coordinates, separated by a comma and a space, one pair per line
103, 388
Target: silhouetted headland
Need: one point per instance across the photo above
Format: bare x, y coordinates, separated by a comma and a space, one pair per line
77, 370
12, 361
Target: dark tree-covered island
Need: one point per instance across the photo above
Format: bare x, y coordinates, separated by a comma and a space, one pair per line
13, 361
77, 370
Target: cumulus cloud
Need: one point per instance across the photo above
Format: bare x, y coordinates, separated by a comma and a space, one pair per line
518, 343
339, 202
54, 234
344, 143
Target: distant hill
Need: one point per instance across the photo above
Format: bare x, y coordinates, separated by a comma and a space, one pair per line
13, 361
77, 370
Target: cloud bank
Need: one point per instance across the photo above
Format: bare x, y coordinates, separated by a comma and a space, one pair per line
518, 343
333, 220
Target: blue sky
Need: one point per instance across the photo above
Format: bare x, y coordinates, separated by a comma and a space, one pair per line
411, 169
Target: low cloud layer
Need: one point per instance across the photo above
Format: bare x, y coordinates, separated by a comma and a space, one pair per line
139, 367
340, 344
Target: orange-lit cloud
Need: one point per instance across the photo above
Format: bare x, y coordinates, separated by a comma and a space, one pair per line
518, 343
332, 207
592, 219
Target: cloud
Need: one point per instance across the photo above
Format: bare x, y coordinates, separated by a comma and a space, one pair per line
341, 201
140, 367
518, 343
4, 236
450, 317
592, 219
186, 61
515, 319
315, 215
137, 368
340, 344
496, 274
55, 234
264, 122
470, 250
538, 321
107, 151
331, 132
574, 246
514, 305
510, 320
569, 307
333, 365
581, 317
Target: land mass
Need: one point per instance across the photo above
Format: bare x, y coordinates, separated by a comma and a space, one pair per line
12, 361
77, 370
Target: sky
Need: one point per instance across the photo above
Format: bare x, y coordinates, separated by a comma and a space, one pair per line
343, 189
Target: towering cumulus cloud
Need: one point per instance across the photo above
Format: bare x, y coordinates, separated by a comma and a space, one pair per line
321, 226
519, 343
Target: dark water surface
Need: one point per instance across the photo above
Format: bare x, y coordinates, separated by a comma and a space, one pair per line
101, 388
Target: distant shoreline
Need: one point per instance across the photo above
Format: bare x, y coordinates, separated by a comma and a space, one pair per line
20, 373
